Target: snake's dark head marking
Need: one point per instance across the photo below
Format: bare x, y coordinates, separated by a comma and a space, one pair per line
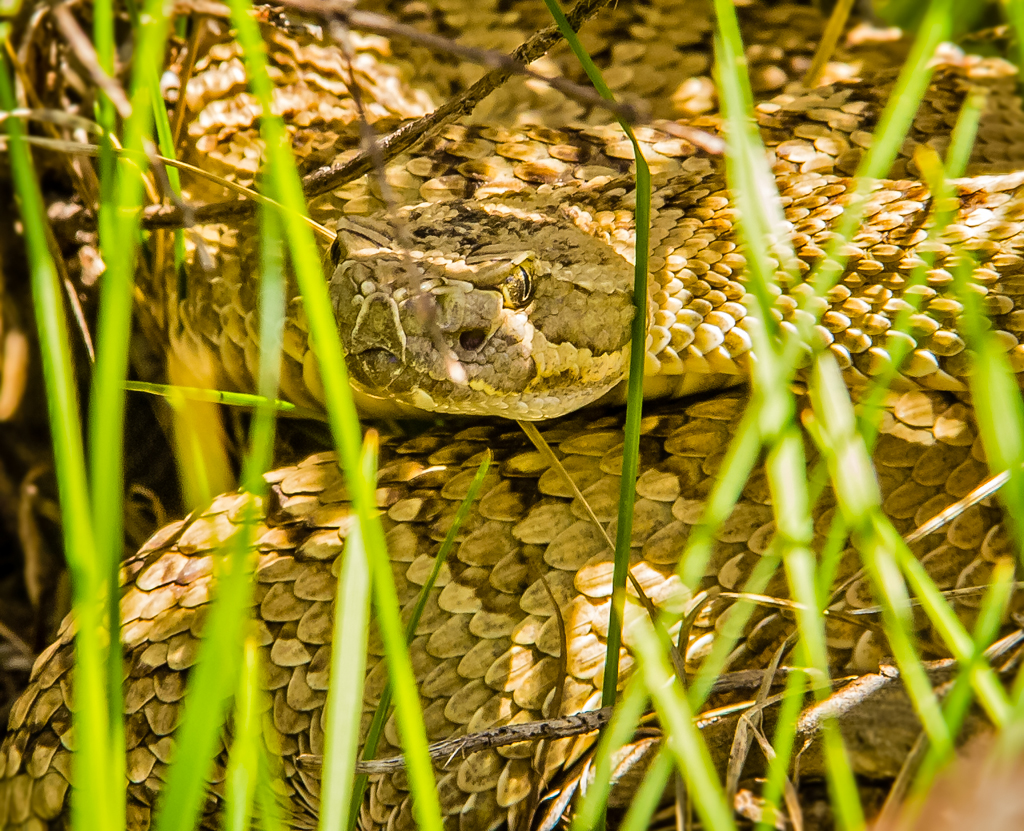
482, 308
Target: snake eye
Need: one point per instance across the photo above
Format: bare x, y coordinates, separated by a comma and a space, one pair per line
518, 288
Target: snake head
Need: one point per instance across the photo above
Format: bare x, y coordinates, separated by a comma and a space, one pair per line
481, 308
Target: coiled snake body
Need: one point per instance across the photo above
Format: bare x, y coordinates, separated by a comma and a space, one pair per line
537, 231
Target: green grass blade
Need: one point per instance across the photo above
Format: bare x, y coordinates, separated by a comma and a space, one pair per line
93, 801
783, 741
118, 238
119, 235
740, 458
271, 315
383, 709
859, 499
210, 685
637, 355
630, 706
1000, 414
269, 808
766, 238
898, 348
1014, 11
893, 124
682, 738
230, 399
242, 775
652, 789
732, 632
284, 185
103, 31
219, 660
345, 697
957, 702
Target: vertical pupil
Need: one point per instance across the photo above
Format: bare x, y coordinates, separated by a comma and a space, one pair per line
517, 288
524, 285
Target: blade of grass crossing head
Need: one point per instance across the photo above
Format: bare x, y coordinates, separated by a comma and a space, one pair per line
285, 186
637, 359
93, 801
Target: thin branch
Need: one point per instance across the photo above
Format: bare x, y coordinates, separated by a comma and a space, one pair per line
402, 139
448, 749
394, 143
341, 11
553, 728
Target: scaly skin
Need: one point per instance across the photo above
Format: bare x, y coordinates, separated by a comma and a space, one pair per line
573, 333
486, 650
439, 319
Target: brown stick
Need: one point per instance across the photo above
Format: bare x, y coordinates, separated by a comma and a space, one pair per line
396, 142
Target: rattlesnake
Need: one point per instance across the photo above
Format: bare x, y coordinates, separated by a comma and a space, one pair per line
486, 648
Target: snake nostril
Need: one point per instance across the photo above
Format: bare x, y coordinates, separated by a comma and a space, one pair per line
472, 339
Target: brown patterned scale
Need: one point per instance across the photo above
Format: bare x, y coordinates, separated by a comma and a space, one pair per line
486, 650
700, 323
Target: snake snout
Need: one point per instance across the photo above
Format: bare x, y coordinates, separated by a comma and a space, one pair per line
377, 343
